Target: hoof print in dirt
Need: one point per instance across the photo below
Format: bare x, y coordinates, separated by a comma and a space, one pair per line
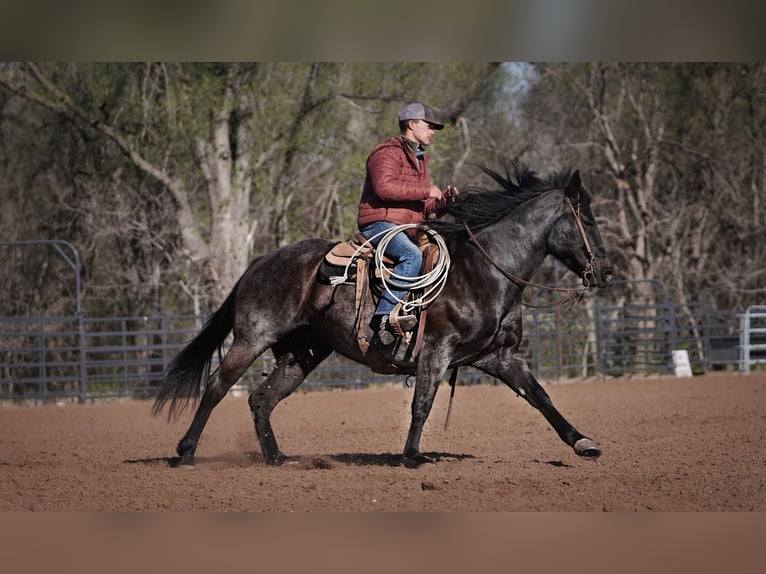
319, 462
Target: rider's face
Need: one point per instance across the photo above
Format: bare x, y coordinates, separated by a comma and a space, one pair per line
422, 132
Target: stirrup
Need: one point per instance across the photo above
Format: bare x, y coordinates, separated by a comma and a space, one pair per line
383, 333
400, 324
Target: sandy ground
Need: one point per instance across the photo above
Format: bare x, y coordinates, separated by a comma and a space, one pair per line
669, 445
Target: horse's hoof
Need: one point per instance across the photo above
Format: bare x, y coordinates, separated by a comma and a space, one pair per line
276, 460
587, 449
416, 461
186, 460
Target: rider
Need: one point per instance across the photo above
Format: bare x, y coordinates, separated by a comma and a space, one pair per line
398, 190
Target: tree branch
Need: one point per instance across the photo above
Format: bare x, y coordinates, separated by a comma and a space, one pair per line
60, 102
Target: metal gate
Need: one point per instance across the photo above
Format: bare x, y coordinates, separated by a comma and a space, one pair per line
752, 337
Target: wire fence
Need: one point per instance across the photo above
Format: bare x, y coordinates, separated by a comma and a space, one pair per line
77, 358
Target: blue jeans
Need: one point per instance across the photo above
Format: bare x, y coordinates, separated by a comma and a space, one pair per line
406, 256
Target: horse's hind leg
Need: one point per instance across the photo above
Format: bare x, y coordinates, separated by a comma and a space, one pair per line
234, 364
513, 371
297, 354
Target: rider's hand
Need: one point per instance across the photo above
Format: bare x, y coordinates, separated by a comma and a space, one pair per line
436, 192
451, 193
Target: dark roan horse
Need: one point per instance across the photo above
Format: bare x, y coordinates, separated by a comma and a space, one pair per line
497, 239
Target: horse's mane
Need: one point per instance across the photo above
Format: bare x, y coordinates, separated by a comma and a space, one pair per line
480, 207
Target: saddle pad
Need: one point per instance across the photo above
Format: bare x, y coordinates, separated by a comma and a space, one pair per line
345, 250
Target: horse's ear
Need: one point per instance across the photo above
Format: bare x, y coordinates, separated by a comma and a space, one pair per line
575, 184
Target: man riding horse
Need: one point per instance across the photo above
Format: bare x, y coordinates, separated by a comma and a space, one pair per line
398, 191
476, 320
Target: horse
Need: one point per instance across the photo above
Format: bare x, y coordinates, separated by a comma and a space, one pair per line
496, 237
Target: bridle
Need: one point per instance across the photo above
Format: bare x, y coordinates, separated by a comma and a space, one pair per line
589, 270
572, 295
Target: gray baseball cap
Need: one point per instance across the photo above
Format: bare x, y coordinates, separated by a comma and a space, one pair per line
418, 111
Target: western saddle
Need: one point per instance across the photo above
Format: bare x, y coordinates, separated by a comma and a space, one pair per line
353, 262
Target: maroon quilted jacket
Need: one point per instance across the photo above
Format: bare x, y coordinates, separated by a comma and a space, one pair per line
397, 186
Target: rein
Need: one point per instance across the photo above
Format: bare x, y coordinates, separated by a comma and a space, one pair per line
572, 295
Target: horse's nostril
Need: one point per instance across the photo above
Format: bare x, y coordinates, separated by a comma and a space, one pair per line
607, 276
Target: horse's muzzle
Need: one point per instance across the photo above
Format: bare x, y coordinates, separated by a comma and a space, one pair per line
599, 272
603, 273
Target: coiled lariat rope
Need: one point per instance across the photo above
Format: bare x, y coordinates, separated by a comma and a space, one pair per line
431, 283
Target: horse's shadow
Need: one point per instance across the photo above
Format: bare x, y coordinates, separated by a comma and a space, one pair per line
304, 461
390, 459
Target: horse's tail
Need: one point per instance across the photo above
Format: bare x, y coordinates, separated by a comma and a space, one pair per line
182, 381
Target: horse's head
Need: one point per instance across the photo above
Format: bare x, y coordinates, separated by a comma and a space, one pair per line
575, 239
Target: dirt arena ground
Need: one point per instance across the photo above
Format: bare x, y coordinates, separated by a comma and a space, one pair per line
670, 444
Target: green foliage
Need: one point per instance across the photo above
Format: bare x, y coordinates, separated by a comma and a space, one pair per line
110, 155
258, 154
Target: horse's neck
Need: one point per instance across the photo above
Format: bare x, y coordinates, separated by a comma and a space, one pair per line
518, 243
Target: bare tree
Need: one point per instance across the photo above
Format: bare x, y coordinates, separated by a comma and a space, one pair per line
678, 149
234, 148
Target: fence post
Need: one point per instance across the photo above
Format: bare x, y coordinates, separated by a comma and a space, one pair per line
744, 343
43, 358
164, 340
672, 336
597, 329
83, 359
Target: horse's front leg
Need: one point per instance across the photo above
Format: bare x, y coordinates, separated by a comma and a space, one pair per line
431, 367
513, 370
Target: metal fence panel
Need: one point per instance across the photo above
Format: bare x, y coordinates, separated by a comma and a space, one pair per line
76, 358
